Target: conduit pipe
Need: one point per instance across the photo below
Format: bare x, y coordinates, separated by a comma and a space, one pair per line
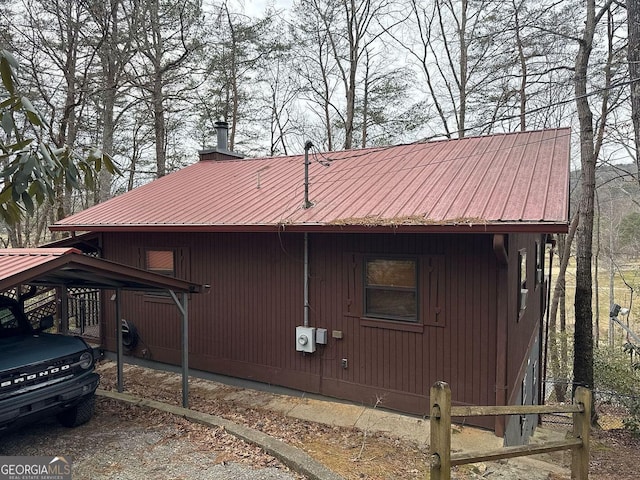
307, 204
306, 280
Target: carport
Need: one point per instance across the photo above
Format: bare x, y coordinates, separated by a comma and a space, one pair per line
69, 267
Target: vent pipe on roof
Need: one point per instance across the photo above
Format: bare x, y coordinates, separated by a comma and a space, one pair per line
221, 150
222, 130
307, 147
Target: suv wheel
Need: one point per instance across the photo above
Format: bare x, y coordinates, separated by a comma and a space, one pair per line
79, 414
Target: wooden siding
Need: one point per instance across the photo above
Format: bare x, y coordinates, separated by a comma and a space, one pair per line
523, 327
245, 325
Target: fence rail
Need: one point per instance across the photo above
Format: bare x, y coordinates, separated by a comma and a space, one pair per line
441, 412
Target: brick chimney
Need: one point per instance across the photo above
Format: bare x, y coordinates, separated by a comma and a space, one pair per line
220, 151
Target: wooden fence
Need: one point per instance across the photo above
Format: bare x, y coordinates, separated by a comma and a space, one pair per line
441, 412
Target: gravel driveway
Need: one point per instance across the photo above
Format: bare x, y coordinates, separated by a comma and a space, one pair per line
127, 442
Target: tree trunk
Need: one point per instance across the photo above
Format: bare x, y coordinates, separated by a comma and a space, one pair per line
235, 94
353, 67
522, 60
633, 56
67, 129
110, 66
365, 102
559, 367
583, 334
596, 284
159, 126
464, 59
611, 284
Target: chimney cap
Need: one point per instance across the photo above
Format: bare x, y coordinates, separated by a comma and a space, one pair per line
220, 151
222, 131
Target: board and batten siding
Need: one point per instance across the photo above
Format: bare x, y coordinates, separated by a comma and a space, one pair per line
244, 325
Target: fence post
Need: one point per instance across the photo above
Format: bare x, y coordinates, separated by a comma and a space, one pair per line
440, 423
581, 430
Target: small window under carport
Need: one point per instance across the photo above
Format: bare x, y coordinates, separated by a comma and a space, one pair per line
68, 267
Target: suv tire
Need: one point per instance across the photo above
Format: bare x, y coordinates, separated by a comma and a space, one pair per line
79, 414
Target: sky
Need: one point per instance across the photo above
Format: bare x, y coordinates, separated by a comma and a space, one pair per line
257, 7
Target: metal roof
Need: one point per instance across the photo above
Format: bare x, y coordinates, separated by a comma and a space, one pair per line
498, 183
68, 266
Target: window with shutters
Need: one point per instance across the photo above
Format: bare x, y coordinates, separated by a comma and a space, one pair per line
161, 261
396, 292
391, 289
170, 261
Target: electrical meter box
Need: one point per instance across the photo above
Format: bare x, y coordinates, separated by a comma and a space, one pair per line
306, 339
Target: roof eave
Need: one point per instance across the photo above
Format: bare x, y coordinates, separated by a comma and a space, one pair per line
111, 275
462, 227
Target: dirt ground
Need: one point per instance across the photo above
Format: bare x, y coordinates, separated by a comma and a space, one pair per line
131, 443
124, 442
615, 455
355, 454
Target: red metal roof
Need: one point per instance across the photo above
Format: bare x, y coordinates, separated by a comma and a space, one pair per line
68, 266
503, 182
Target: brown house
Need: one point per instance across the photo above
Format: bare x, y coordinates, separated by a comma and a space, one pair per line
410, 264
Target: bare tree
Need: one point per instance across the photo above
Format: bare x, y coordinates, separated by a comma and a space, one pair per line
633, 57
53, 43
316, 71
231, 87
590, 145
558, 339
282, 94
343, 30
165, 36
381, 107
114, 52
453, 48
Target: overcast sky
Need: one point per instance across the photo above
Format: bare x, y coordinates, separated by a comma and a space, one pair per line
257, 7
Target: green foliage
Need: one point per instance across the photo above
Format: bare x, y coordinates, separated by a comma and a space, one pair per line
613, 372
634, 352
618, 377
629, 231
32, 168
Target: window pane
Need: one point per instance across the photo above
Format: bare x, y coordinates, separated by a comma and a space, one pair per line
523, 268
160, 261
391, 304
391, 273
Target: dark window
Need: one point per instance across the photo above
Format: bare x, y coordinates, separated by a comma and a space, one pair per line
522, 277
161, 261
10, 325
391, 289
539, 262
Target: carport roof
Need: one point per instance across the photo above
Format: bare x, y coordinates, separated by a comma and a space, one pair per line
68, 266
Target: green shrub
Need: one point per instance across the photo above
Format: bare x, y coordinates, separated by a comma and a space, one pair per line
617, 380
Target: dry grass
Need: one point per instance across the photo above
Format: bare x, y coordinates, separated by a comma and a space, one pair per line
348, 451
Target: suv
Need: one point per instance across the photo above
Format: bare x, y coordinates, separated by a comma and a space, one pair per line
42, 374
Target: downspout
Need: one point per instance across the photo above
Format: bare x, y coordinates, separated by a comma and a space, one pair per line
307, 204
306, 279
500, 249
502, 312
543, 371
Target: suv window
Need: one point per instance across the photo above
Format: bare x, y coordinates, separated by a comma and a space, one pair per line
10, 324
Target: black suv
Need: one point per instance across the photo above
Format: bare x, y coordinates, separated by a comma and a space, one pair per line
42, 374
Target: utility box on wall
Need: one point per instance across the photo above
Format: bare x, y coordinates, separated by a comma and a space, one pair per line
306, 339
321, 336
